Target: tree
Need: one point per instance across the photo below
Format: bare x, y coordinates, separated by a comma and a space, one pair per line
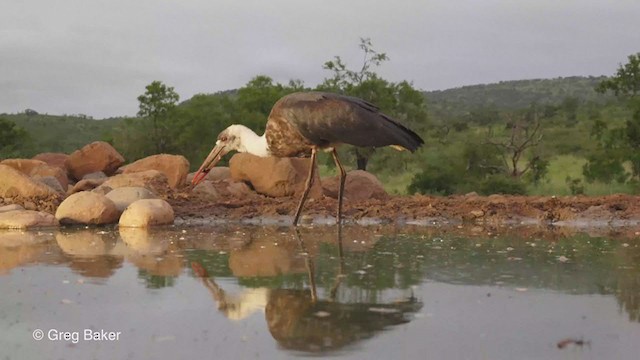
158, 104
626, 81
617, 146
12, 138
399, 100
522, 137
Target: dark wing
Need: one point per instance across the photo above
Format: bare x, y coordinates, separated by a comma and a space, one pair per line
326, 118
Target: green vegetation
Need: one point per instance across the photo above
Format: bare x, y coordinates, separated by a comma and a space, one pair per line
573, 135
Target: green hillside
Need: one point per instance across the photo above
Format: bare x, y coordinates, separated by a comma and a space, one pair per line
52, 133
517, 94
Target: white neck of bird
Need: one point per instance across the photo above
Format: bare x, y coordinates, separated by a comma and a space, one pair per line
254, 144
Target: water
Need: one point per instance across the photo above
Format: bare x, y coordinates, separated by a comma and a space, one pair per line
229, 292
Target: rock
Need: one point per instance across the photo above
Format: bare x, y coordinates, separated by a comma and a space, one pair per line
228, 188
476, 213
48, 170
237, 189
217, 173
86, 185
26, 219
124, 196
274, 176
18, 188
53, 159
175, 167
104, 190
360, 185
10, 208
23, 165
206, 190
51, 182
147, 212
153, 180
97, 156
95, 175
87, 207
36, 168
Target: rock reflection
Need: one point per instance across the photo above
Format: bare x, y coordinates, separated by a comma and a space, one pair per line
90, 252
152, 252
296, 318
19, 248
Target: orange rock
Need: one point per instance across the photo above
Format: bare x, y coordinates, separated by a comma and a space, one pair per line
53, 159
18, 188
175, 167
48, 170
23, 165
360, 185
97, 156
274, 176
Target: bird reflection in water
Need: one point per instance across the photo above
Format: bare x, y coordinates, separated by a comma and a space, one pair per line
299, 320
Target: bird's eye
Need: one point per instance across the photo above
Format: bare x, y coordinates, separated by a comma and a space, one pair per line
223, 138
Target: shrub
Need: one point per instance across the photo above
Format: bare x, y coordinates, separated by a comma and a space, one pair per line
435, 180
500, 184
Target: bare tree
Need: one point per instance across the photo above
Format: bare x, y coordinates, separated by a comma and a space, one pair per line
523, 135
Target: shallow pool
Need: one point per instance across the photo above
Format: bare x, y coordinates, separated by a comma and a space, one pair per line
230, 292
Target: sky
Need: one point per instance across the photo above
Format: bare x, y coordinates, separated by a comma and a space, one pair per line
95, 57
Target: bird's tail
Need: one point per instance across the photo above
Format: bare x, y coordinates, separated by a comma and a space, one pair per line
407, 139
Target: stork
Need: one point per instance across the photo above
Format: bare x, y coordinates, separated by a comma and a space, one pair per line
302, 123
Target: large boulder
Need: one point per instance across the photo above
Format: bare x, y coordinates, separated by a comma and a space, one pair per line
26, 219
97, 156
153, 180
87, 207
53, 159
23, 165
18, 188
46, 170
51, 182
125, 196
274, 176
360, 185
37, 168
147, 212
175, 167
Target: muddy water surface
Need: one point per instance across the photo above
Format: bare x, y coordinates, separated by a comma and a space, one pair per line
230, 292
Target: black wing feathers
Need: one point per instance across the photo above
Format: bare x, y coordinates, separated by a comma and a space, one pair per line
326, 118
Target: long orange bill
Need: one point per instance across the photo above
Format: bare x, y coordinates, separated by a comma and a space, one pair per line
214, 156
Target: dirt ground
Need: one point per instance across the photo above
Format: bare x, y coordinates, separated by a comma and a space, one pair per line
470, 208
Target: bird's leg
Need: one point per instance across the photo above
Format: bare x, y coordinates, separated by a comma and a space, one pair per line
309, 264
343, 178
307, 187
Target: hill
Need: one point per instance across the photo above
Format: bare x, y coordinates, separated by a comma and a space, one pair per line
53, 133
518, 94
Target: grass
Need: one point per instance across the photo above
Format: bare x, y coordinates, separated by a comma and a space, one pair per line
563, 166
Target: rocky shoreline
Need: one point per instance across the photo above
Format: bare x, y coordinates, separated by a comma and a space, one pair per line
93, 186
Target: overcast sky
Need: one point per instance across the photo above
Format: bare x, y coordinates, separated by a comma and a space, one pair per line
96, 56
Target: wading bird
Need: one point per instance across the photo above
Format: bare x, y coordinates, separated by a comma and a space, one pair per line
302, 123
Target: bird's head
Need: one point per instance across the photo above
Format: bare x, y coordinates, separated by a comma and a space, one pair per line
229, 139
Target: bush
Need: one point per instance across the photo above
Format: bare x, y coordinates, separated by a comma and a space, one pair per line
499, 184
434, 180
